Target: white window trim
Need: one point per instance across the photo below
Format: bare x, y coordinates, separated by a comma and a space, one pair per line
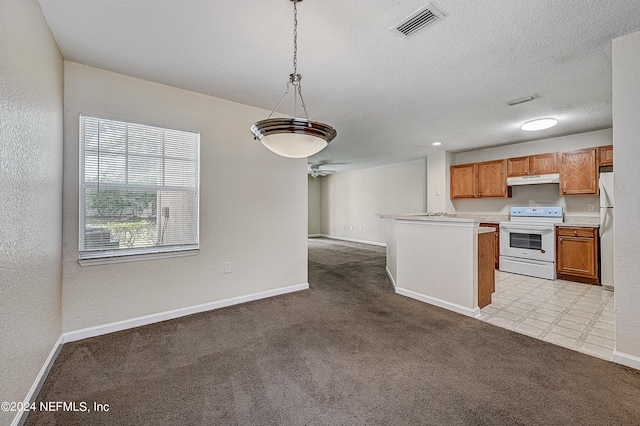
91, 258
105, 258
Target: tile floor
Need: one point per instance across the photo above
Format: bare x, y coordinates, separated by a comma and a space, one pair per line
574, 315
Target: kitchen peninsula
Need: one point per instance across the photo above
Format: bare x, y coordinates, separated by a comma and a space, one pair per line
441, 260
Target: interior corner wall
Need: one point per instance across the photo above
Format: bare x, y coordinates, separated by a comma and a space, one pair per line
314, 205
31, 101
438, 181
253, 206
351, 201
626, 134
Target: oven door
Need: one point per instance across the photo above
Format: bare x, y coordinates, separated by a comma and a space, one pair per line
528, 240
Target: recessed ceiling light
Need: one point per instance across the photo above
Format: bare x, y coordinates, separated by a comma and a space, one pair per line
540, 124
436, 143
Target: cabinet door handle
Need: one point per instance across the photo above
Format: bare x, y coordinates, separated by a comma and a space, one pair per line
575, 232
564, 191
535, 171
560, 238
479, 194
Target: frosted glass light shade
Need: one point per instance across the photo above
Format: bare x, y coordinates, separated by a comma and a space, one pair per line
293, 137
541, 124
294, 145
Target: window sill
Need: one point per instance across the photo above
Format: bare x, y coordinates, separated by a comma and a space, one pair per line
104, 260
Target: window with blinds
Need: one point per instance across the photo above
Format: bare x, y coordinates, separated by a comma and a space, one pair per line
139, 189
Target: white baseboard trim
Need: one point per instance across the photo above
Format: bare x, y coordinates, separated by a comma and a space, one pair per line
393, 282
626, 359
353, 240
21, 416
72, 336
314, 235
474, 313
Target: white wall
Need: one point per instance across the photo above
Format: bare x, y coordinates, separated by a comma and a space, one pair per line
533, 195
314, 205
253, 206
31, 99
438, 181
626, 138
351, 200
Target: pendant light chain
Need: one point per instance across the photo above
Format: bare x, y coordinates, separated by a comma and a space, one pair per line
295, 77
295, 37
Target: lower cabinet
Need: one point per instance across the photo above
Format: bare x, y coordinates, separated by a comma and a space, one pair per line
577, 254
486, 270
497, 244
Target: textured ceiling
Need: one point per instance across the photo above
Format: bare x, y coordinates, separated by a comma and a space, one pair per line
389, 97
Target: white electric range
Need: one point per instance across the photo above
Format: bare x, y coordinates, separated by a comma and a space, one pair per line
528, 242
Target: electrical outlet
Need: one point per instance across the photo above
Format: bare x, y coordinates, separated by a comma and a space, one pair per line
590, 207
227, 267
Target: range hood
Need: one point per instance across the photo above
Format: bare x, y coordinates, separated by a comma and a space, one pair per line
533, 180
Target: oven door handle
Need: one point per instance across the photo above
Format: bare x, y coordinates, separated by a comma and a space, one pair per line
528, 227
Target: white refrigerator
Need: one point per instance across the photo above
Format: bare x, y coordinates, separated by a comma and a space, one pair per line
606, 230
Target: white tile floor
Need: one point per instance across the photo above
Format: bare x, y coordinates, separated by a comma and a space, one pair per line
574, 315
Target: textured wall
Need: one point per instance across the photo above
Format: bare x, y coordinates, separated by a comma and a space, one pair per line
314, 205
31, 98
351, 200
253, 206
626, 135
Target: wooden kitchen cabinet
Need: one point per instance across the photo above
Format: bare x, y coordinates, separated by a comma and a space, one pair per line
486, 271
492, 179
462, 181
579, 172
479, 180
533, 165
606, 155
577, 254
496, 234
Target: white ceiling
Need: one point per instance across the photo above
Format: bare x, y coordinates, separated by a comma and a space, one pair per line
388, 97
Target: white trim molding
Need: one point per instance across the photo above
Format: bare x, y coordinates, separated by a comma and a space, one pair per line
353, 240
21, 416
473, 313
626, 359
72, 336
393, 282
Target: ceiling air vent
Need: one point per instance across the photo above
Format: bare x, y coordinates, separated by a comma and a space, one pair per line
419, 20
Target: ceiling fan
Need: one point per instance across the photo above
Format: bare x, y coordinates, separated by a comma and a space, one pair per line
314, 171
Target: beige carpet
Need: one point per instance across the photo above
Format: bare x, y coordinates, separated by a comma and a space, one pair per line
346, 352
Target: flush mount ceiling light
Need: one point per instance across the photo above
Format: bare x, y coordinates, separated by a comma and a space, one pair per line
540, 124
293, 137
436, 143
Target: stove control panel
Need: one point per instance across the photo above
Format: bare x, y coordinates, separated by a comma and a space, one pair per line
536, 211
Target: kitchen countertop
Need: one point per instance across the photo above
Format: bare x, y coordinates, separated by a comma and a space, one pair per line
423, 217
426, 217
575, 221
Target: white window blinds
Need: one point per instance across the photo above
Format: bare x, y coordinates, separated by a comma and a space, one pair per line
139, 189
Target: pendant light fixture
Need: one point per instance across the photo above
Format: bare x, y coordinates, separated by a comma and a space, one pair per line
293, 137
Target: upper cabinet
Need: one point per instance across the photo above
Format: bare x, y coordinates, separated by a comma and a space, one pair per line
579, 172
606, 155
533, 165
492, 179
479, 180
463, 181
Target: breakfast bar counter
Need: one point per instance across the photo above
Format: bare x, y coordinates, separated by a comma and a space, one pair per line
441, 260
